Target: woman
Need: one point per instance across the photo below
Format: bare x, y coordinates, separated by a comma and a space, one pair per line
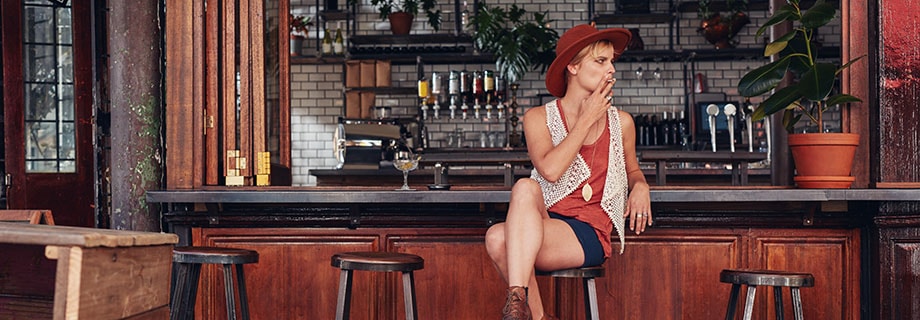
584, 158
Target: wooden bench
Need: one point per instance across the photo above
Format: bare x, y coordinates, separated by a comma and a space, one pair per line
99, 274
31, 216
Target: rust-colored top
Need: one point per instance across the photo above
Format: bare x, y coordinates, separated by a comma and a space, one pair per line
590, 212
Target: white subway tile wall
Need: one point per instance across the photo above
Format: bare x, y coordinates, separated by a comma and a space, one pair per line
317, 89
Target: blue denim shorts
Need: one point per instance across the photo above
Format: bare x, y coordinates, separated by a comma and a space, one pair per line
590, 244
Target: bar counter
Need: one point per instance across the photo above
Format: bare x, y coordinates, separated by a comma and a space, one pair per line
501, 195
671, 271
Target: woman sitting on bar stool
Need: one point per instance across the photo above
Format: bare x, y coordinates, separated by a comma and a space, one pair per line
584, 158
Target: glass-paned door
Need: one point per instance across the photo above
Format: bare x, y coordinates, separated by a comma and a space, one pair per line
49, 87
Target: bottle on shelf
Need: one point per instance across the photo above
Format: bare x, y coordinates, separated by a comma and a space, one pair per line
464, 18
327, 42
665, 125
338, 45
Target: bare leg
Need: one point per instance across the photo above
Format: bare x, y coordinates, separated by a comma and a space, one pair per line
530, 238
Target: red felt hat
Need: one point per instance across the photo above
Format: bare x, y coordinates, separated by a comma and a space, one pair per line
571, 42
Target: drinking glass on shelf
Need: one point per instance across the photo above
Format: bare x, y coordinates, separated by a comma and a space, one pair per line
405, 161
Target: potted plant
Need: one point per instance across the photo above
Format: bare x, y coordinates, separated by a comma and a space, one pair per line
400, 13
719, 29
519, 45
809, 93
300, 26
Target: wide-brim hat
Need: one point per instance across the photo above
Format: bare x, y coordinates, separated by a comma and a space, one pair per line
571, 42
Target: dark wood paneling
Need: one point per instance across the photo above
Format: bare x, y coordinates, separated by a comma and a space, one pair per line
665, 273
180, 44
899, 142
670, 274
832, 256
897, 295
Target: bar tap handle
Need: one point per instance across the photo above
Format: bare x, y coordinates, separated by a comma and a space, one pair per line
713, 111
464, 109
768, 131
748, 113
476, 108
488, 111
730, 110
424, 108
501, 111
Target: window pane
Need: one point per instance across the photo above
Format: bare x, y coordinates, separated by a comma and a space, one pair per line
39, 63
66, 103
41, 141
65, 36
68, 148
41, 102
65, 63
49, 84
42, 166
39, 24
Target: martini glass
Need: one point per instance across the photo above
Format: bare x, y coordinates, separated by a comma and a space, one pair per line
405, 161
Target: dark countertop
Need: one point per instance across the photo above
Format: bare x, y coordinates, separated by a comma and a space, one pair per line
501, 195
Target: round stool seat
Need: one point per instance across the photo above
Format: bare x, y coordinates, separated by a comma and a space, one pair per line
772, 278
767, 278
586, 272
377, 261
215, 255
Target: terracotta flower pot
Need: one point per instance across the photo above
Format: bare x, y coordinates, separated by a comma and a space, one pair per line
823, 160
400, 22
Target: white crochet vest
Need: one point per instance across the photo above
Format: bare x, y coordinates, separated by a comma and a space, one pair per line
615, 185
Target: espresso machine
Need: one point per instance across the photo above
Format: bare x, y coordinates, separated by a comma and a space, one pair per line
365, 143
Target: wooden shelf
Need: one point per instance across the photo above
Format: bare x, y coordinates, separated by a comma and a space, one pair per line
633, 18
317, 60
385, 90
410, 39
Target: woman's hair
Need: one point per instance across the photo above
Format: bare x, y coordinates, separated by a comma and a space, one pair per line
593, 50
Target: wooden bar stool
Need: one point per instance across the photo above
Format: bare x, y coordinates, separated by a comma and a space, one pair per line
378, 262
776, 279
587, 275
187, 263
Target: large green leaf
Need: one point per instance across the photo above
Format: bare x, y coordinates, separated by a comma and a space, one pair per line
781, 99
763, 79
818, 15
816, 84
786, 12
779, 44
840, 99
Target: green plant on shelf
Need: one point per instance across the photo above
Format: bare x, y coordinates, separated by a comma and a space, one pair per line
810, 92
519, 44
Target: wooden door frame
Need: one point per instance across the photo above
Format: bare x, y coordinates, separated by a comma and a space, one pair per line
13, 95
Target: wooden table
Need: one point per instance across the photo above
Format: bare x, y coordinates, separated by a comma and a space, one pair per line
100, 273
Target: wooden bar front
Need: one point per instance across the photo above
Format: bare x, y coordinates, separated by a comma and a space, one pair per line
669, 272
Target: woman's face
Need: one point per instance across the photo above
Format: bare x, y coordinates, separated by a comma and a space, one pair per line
595, 64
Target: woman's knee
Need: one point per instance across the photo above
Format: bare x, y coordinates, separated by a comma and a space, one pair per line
526, 189
495, 240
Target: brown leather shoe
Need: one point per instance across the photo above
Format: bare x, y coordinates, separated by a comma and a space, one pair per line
516, 307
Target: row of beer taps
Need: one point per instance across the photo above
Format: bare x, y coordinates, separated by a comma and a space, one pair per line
730, 111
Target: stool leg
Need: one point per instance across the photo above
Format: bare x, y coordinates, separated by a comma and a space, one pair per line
343, 304
244, 301
797, 304
590, 288
732, 302
409, 295
228, 291
182, 302
749, 302
778, 304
